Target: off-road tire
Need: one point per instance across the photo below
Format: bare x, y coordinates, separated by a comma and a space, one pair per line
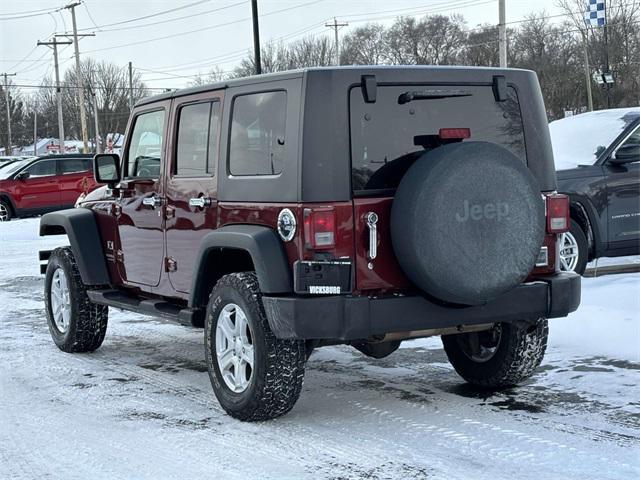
6, 213
519, 352
583, 247
278, 374
88, 321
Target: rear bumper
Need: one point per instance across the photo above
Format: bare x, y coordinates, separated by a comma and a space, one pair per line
356, 317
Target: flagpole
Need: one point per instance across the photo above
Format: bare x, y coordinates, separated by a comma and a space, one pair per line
606, 53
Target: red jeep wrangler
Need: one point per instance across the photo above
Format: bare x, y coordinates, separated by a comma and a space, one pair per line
358, 205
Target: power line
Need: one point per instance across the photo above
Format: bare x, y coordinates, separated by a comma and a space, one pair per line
171, 19
210, 27
31, 15
157, 14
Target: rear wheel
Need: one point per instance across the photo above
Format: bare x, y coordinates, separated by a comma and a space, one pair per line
76, 324
5, 211
574, 249
501, 357
254, 375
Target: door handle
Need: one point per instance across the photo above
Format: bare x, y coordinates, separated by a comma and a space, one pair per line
152, 201
199, 202
372, 221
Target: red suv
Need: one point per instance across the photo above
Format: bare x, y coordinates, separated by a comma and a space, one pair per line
44, 184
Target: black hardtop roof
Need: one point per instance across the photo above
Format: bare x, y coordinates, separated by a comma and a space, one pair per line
363, 69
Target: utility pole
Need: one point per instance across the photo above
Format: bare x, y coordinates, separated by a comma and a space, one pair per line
9, 149
502, 33
336, 26
130, 87
54, 45
95, 118
83, 114
256, 37
35, 129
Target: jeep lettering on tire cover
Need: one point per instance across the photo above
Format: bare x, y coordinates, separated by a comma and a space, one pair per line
467, 222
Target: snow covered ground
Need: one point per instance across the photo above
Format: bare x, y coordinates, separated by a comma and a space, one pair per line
142, 407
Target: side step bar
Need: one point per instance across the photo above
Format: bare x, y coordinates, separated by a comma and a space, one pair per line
147, 306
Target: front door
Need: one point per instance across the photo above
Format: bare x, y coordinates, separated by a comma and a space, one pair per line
623, 198
40, 191
191, 182
139, 208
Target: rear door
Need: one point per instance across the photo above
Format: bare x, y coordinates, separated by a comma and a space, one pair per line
74, 179
191, 192
139, 207
389, 135
41, 190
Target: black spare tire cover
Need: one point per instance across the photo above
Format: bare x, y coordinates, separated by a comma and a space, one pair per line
467, 222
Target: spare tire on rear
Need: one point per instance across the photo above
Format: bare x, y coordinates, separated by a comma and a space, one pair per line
467, 222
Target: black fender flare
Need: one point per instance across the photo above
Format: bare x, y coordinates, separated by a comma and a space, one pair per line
586, 208
84, 237
265, 249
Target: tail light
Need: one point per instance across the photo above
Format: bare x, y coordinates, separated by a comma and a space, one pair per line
319, 228
454, 133
557, 213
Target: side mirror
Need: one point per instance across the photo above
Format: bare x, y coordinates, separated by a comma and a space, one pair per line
23, 176
106, 168
626, 154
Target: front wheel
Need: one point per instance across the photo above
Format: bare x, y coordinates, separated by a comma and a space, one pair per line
76, 324
5, 211
500, 357
254, 375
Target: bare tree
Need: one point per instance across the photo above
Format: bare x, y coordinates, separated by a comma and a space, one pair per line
433, 40
365, 45
216, 74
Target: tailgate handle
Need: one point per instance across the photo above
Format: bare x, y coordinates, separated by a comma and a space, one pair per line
372, 220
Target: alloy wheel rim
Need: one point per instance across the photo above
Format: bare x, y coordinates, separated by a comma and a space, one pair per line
60, 300
4, 213
568, 252
234, 348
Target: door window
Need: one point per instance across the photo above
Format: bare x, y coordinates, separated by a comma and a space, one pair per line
74, 165
197, 151
633, 139
145, 150
257, 144
43, 168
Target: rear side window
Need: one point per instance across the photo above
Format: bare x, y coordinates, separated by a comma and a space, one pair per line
406, 121
74, 165
257, 145
42, 168
145, 149
197, 150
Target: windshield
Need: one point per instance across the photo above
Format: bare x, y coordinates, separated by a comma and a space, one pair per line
13, 167
388, 136
579, 140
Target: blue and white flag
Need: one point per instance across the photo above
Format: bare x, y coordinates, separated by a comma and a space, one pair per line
595, 15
